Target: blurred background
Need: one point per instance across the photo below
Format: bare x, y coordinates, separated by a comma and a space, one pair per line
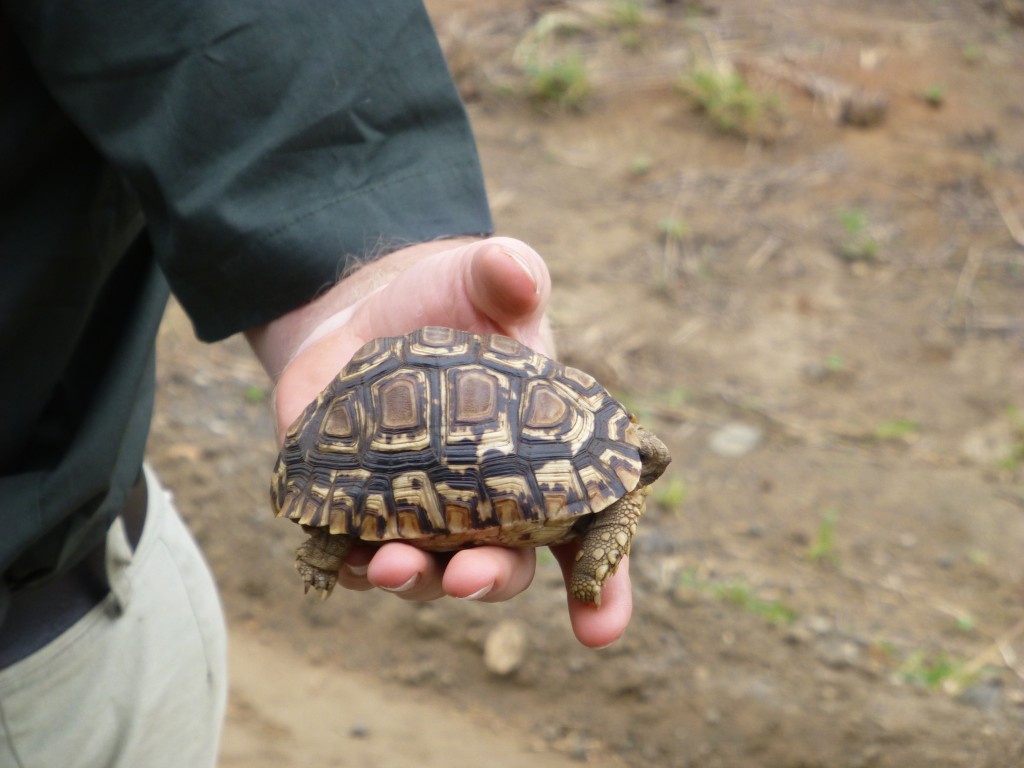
790, 236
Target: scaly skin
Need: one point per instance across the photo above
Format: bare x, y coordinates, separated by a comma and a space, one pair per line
605, 544
319, 558
607, 541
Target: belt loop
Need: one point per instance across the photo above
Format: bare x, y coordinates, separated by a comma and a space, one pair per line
119, 558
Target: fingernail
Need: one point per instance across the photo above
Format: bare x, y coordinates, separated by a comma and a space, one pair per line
404, 587
357, 570
523, 265
479, 593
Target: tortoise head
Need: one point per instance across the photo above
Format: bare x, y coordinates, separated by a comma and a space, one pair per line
654, 456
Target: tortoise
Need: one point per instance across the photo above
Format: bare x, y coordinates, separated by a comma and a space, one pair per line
447, 439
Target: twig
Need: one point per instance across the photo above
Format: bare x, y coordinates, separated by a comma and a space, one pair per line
1010, 218
764, 252
722, 64
964, 285
1010, 660
844, 102
965, 282
999, 648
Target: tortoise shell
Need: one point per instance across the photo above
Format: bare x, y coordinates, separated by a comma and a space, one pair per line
446, 438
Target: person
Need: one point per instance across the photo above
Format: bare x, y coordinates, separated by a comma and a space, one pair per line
243, 156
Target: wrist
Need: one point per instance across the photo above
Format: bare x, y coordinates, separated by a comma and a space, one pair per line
278, 342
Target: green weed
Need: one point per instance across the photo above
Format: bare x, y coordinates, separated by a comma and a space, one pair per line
627, 14
562, 83
934, 96
834, 363
742, 595
935, 671
544, 558
823, 548
965, 623
254, 393
1015, 459
675, 397
731, 105
673, 229
971, 53
641, 165
670, 493
896, 429
857, 244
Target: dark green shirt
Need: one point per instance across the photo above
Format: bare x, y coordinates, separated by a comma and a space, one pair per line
235, 153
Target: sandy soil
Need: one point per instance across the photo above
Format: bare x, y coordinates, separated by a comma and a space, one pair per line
825, 321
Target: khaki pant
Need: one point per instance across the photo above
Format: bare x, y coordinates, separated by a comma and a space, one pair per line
139, 681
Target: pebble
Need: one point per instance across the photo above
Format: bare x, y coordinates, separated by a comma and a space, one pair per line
428, 621
819, 624
505, 648
836, 653
735, 439
989, 444
986, 696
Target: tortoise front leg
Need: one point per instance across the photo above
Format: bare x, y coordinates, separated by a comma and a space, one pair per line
605, 544
319, 558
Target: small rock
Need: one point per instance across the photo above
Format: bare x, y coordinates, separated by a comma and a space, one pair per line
798, 635
836, 653
989, 444
578, 749
552, 732
819, 624
868, 756
986, 696
505, 648
428, 622
359, 731
754, 531
735, 439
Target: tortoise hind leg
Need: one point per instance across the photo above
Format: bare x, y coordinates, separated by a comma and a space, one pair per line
604, 545
319, 558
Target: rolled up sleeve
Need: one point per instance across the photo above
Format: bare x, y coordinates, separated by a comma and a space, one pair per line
268, 142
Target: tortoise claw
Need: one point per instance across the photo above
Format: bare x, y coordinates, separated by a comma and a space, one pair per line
322, 581
319, 559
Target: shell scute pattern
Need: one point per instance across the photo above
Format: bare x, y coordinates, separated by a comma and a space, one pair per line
450, 438
445, 435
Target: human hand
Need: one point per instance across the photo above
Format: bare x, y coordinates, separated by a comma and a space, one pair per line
499, 285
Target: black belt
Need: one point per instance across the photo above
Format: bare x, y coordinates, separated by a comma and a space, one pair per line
36, 615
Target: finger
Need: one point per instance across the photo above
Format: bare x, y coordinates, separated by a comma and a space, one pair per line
508, 282
353, 571
598, 627
489, 574
406, 571
497, 285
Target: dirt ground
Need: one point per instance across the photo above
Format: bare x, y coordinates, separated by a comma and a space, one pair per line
820, 309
